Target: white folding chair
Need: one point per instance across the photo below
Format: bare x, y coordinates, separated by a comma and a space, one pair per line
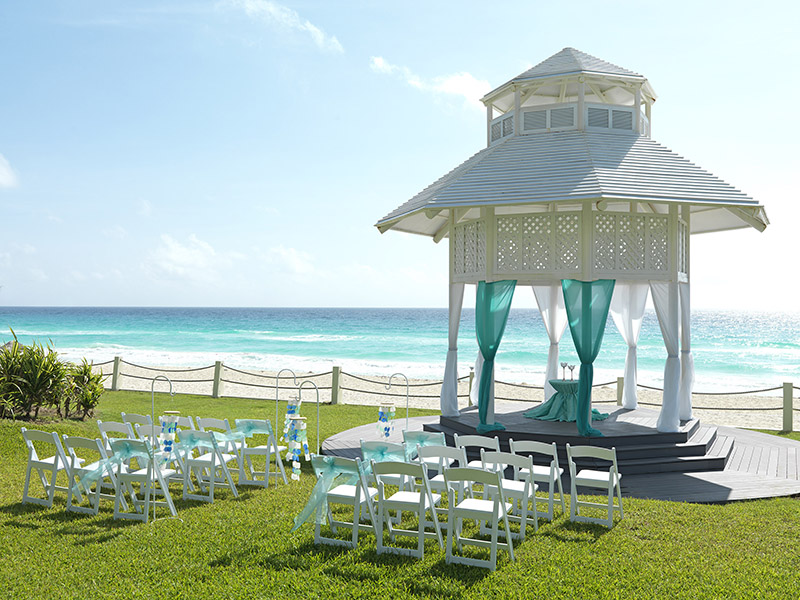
417, 439
598, 479
134, 419
441, 457
51, 464
421, 501
150, 434
266, 450
185, 422
481, 509
209, 467
356, 494
476, 441
520, 489
382, 452
150, 477
121, 429
97, 456
229, 448
550, 472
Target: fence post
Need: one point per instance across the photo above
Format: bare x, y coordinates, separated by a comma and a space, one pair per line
788, 418
115, 375
335, 390
217, 376
620, 389
469, 388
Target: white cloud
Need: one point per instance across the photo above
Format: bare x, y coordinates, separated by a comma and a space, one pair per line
38, 275
145, 208
462, 84
296, 261
195, 260
283, 16
8, 179
115, 232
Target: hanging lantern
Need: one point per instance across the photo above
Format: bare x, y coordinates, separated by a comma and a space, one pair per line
292, 409
386, 419
166, 439
297, 437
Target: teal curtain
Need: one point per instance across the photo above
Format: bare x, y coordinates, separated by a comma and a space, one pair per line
492, 303
587, 305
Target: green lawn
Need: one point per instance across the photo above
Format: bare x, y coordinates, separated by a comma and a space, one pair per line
239, 548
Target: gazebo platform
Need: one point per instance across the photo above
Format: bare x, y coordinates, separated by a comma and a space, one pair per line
700, 463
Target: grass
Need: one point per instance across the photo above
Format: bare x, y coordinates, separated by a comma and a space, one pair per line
242, 548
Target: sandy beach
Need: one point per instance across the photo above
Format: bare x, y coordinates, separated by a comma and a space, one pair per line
731, 409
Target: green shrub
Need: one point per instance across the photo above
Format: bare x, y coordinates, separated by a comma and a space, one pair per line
32, 377
85, 389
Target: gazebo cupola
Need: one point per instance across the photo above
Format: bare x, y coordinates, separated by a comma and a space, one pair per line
571, 187
568, 91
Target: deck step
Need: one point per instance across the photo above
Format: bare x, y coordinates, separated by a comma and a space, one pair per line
702, 449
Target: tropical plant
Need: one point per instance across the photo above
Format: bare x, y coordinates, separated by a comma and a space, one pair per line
85, 389
32, 377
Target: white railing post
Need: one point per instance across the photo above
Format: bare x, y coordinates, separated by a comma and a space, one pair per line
620, 389
469, 388
115, 375
217, 377
335, 389
788, 406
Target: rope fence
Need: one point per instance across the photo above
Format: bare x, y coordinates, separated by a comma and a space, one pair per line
335, 384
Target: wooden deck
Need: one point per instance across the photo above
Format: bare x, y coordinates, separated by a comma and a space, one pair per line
756, 465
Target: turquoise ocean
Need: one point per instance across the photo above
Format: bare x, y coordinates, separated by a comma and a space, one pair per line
733, 351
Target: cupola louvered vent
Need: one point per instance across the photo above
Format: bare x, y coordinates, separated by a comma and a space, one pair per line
497, 130
621, 119
508, 126
598, 117
562, 117
534, 119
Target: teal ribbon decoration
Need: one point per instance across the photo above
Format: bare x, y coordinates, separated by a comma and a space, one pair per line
125, 452
326, 479
250, 428
383, 454
415, 439
189, 441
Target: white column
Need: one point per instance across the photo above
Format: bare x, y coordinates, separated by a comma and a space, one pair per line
448, 400
627, 310
665, 300
687, 361
550, 300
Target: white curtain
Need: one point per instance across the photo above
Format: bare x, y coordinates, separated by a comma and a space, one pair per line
665, 300
687, 361
448, 401
550, 299
627, 309
473, 392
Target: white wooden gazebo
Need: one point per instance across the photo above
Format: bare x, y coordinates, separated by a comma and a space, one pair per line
572, 187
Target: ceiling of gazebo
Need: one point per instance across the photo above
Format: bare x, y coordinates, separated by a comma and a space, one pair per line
530, 172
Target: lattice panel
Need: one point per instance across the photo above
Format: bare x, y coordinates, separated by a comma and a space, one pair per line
631, 243
509, 252
683, 248
536, 235
459, 251
657, 258
470, 248
568, 241
605, 241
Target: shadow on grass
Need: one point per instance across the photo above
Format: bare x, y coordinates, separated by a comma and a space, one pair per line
573, 531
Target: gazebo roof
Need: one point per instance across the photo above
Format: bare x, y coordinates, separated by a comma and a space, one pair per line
571, 61
572, 166
566, 66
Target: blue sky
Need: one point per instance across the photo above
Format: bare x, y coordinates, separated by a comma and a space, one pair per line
238, 153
